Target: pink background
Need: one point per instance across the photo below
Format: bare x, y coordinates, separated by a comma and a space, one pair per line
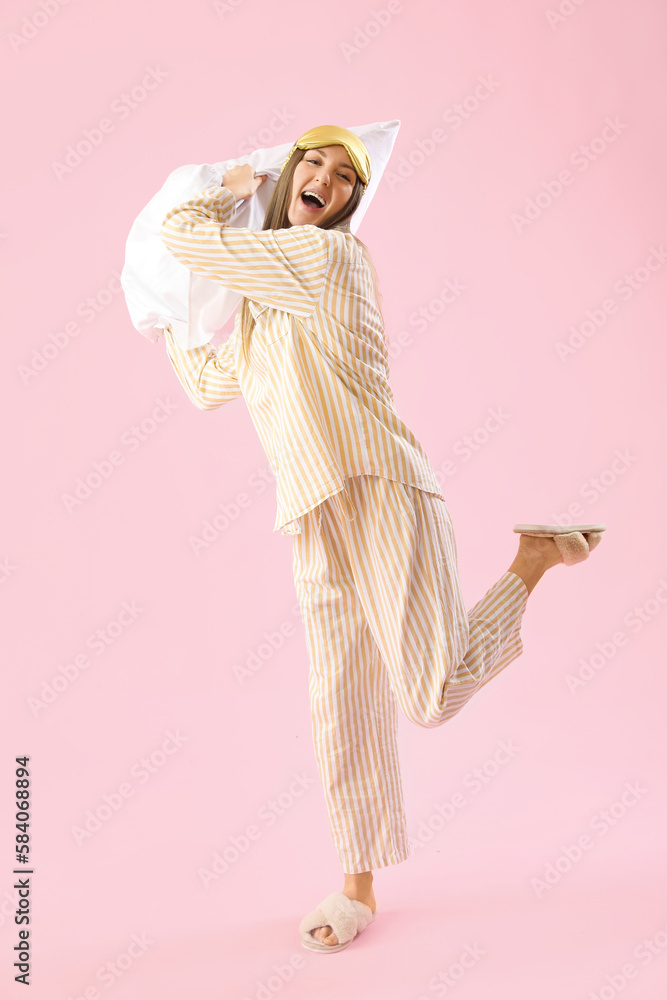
596, 417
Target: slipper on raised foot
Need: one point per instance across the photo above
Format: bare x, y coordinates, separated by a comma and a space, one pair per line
575, 542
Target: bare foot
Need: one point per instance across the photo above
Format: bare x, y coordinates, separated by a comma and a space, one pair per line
364, 894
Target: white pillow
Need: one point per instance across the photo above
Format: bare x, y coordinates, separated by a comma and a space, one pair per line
160, 291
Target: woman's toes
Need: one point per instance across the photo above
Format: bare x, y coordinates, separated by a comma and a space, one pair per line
325, 935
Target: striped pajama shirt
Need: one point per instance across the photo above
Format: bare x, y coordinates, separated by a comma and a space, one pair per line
375, 565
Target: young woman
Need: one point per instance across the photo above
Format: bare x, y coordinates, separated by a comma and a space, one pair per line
375, 559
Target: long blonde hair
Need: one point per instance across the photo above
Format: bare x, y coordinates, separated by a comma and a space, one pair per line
277, 218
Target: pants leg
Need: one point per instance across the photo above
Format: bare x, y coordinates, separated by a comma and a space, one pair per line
386, 625
354, 711
403, 552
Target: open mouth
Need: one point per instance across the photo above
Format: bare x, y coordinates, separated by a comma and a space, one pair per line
312, 202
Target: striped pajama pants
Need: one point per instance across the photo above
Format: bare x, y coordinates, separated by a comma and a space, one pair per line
375, 571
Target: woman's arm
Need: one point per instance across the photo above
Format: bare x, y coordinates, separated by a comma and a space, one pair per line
283, 268
208, 376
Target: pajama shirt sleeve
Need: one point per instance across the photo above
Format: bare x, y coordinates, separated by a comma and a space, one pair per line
208, 376
282, 268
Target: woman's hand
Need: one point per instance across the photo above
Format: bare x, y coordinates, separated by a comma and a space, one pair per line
241, 180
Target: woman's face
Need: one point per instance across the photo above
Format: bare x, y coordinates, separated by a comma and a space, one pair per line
327, 172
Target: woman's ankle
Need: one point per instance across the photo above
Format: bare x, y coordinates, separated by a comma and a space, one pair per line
361, 883
530, 574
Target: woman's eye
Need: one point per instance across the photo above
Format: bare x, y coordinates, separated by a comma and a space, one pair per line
344, 176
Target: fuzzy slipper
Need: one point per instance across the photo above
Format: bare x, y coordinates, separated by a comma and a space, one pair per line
346, 917
574, 541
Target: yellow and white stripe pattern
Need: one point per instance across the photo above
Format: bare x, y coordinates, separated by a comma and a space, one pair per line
317, 385
375, 569
375, 561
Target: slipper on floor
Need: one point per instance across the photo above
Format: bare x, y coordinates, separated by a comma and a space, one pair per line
346, 917
574, 541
